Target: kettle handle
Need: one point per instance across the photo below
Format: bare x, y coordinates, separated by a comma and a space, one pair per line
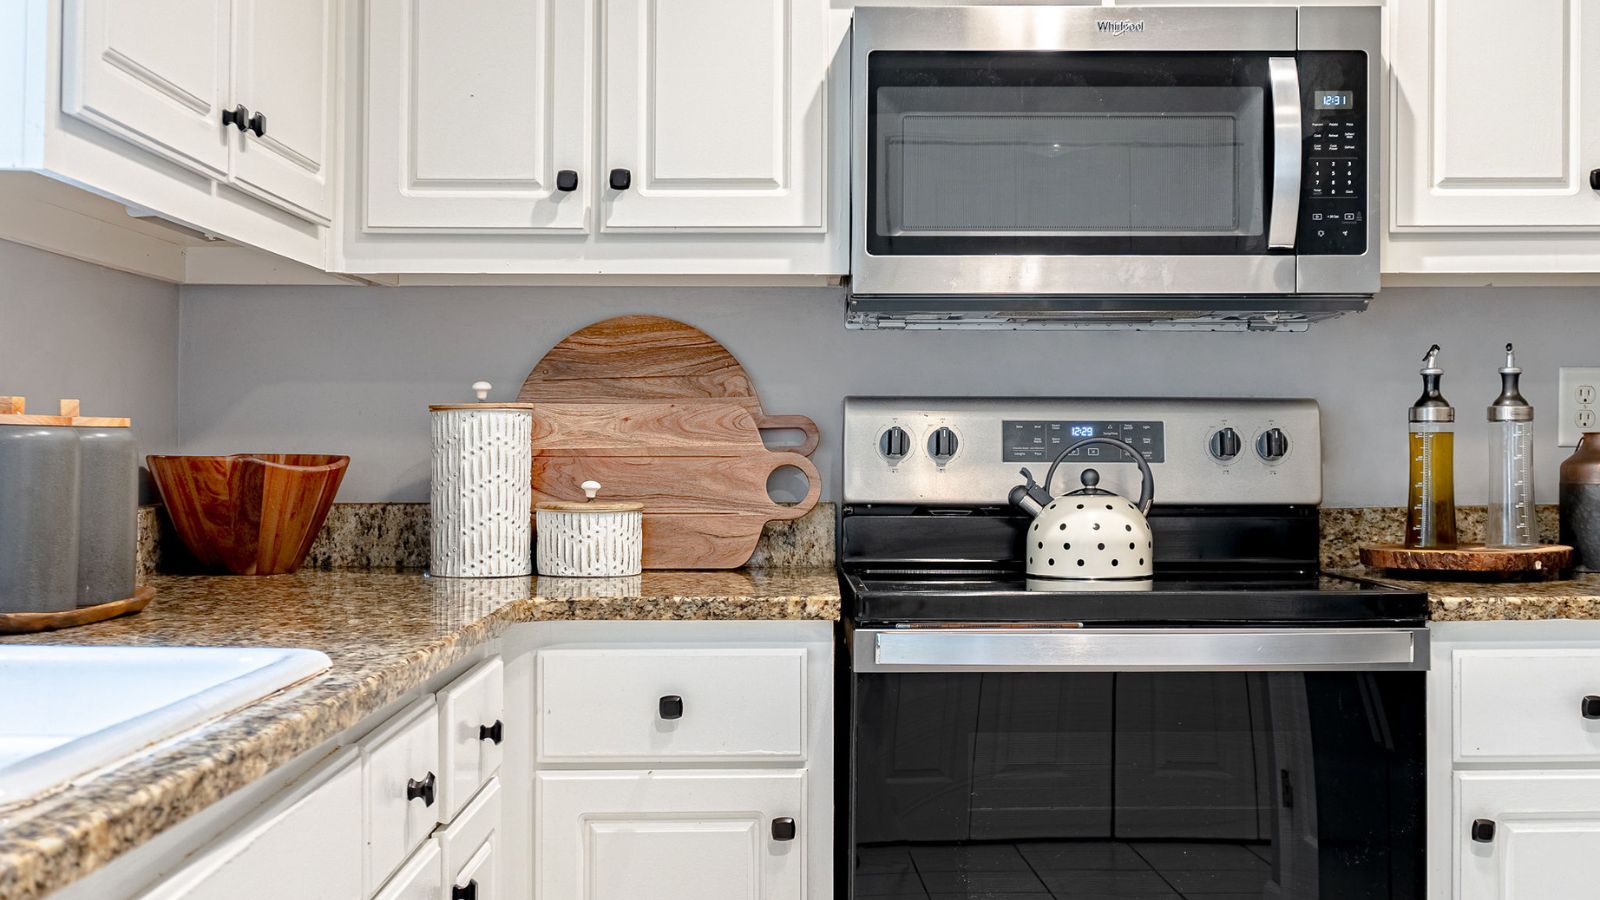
1147, 482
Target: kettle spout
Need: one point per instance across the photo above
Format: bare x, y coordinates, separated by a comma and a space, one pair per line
1029, 496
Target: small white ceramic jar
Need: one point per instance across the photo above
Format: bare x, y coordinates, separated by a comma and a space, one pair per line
482, 488
589, 539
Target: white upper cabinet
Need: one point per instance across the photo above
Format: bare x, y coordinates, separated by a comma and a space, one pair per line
1496, 114
153, 72
477, 116
714, 109
283, 69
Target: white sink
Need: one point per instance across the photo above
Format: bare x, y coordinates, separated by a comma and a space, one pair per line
65, 711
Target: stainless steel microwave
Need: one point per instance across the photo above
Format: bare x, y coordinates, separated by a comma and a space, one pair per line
1091, 166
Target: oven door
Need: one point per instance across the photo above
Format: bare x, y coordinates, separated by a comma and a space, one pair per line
1048, 763
1033, 150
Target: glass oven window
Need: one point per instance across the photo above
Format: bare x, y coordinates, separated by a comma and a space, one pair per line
1067, 153
1141, 786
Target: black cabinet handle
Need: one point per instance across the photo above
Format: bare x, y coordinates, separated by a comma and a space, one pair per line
237, 117
621, 179
566, 181
258, 124
423, 789
671, 707
1591, 707
491, 732
1483, 831
1594, 179
470, 892
783, 829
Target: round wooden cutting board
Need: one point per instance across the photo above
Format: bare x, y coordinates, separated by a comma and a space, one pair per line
1545, 559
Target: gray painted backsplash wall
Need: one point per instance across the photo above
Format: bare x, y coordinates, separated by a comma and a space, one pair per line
352, 370
73, 329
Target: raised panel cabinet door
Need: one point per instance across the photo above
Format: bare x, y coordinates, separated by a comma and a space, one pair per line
1526, 835
670, 835
421, 878
1496, 114
713, 109
283, 70
400, 763
472, 849
472, 732
153, 72
477, 116
306, 844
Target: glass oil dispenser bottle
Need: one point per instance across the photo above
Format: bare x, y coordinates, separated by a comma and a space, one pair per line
1511, 514
1431, 513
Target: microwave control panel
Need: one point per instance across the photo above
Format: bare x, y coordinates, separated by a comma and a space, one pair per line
1334, 199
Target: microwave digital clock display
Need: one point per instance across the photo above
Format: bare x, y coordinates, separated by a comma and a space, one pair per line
1333, 100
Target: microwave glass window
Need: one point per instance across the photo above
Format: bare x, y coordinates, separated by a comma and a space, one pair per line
1068, 153
1333, 100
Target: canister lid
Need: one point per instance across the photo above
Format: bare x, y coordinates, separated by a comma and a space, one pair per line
481, 388
588, 506
14, 411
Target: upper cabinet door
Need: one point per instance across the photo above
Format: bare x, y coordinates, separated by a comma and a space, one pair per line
283, 66
153, 72
1496, 112
477, 115
714, 112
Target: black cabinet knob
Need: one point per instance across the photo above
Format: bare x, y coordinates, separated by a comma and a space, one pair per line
671, 707
621, 179
467, 892
238, 117
783, 829
258, 124
423, 790
1591, 707
1483, 830
1594, 179
566, 181
493, 732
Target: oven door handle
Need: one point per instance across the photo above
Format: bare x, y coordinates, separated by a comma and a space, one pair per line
1284, 74
981, 649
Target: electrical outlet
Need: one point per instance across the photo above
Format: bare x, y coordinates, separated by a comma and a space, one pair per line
1578, 410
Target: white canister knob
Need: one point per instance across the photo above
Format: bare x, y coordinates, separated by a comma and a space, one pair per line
482, 389
590, 488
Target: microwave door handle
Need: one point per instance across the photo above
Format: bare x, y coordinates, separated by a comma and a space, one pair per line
1285, 77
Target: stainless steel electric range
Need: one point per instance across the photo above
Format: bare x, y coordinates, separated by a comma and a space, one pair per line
1239, 725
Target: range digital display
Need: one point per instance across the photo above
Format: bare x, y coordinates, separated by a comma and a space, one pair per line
1031, 439
1333, 100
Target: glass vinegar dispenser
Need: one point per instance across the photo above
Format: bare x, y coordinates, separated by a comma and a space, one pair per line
1511, 513
1431, 512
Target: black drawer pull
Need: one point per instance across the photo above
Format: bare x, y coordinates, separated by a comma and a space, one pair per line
566, 181
493, 732
671, 707
783, 829
1483, 831
258, 124
238, 117
470, 892
621, 179
423, 789
1594, 179
1591, 707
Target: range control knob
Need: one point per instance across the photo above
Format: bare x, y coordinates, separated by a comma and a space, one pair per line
894, 444
1225, 445
942, 445
1272, 445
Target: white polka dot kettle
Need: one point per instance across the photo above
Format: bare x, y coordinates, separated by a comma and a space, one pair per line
1090, 534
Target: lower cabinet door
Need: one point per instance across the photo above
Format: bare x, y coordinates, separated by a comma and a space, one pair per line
684, 835
1527, 835
421, 878
400, 762
306, 844
472, 852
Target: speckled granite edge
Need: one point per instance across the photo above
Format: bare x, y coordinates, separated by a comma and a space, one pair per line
386, 634
394, 536
1345, 529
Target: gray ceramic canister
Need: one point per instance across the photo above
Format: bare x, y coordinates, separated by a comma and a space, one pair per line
38, 517
1580, 503
108, 517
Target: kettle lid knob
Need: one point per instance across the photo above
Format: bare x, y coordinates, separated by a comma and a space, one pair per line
1090, 478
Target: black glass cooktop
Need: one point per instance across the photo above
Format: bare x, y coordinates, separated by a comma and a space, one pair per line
944, 594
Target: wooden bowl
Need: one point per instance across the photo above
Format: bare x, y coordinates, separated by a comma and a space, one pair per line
250, 513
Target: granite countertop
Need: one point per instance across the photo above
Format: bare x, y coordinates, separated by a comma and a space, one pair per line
385, 633
1577, 597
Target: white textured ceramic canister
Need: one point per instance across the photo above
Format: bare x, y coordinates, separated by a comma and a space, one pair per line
482, 488
590, 539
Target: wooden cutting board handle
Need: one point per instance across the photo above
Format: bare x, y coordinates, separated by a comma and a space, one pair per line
796, 423
783, 512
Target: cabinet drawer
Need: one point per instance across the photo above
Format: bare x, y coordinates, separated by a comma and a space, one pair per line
421, 878
306, 844
684, 835
1526, 705
640, 705
472, 851
1537, 833
471, 733
400, 765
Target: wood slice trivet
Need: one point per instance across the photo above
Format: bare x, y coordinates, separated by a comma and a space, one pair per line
627, 359
1545, 559
30, 622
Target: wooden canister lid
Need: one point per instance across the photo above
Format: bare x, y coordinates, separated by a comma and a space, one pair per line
435, 407
14, 411
589, 506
